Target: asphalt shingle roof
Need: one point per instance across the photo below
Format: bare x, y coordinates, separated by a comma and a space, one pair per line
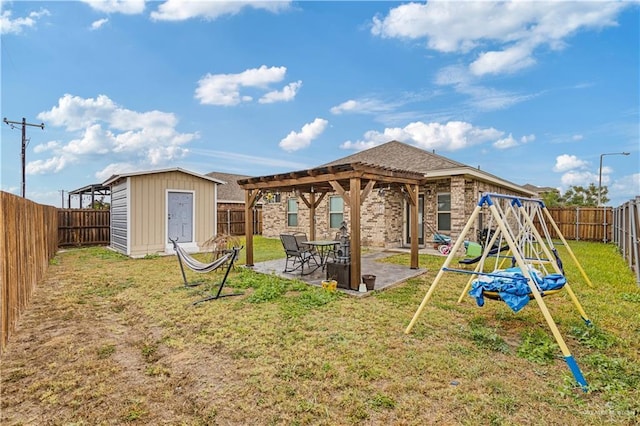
230, 191
400, 156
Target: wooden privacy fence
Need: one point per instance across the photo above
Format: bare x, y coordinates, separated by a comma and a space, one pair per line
582, 223
83, 227
231, 222
626, 233
29, 240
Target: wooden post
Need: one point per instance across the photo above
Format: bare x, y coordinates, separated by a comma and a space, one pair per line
249, 200
356, 250
312, 216
413, 196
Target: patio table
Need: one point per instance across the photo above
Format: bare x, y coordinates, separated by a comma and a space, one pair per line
323, 247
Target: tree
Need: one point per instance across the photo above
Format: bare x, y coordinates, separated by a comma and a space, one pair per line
552, 199
100, 204
580, 196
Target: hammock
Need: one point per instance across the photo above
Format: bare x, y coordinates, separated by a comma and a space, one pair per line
195, 265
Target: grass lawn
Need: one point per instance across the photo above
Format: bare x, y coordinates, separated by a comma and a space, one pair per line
112, 340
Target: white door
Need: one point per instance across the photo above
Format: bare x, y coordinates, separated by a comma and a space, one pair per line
180, 216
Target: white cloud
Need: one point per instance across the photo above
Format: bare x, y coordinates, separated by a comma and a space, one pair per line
247, 159
109, 132
510, 141
127, 7
76, 113
180, 10
115, 169
451, 136
8, 25
224, 89
389, 111
43, 147
94, 141
51, 165
482, 98
506, 61
528, 138
513, 30
577, 137
310, 131
626, 187
288, 93
364, 106
581, 178
567, 162
99, 23
505, 143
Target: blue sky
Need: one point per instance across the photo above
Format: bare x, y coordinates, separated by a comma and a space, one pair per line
533, 92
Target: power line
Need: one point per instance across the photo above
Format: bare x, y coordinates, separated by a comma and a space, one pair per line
24, 125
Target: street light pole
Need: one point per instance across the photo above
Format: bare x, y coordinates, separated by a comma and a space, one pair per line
600, 174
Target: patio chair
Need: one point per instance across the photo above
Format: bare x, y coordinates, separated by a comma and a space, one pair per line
298, 255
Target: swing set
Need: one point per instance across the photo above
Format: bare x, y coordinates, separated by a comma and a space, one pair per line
536, 269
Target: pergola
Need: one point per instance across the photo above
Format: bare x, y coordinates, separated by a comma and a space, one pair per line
353, 182
93, 190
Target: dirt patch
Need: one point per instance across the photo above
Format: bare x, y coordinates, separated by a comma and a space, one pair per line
100, 363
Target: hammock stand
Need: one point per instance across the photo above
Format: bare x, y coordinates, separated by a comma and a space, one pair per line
229, 257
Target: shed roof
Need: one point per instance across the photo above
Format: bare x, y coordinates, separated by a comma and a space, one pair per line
94, 188
114, 178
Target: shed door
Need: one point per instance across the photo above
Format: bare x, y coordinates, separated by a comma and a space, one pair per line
180, 216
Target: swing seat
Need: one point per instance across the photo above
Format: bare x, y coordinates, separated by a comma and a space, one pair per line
511, 287
477, 251
494, 295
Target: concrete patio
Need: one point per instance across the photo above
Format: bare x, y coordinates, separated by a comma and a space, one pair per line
387, 274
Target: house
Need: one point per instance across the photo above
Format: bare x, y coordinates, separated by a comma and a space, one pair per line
448, 191
148, 208
541, 191
231, 211
391, 195
230, 195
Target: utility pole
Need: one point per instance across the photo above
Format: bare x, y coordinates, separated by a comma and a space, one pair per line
24, 143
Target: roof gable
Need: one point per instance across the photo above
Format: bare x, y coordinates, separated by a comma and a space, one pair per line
114, 178
401, 156
230, 191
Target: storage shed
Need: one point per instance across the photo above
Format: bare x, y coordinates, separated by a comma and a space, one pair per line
148, 208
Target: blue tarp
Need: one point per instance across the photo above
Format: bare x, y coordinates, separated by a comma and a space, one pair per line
512, 286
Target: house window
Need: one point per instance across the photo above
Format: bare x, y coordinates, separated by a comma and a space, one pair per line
292, 212
336, 212
444, 212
